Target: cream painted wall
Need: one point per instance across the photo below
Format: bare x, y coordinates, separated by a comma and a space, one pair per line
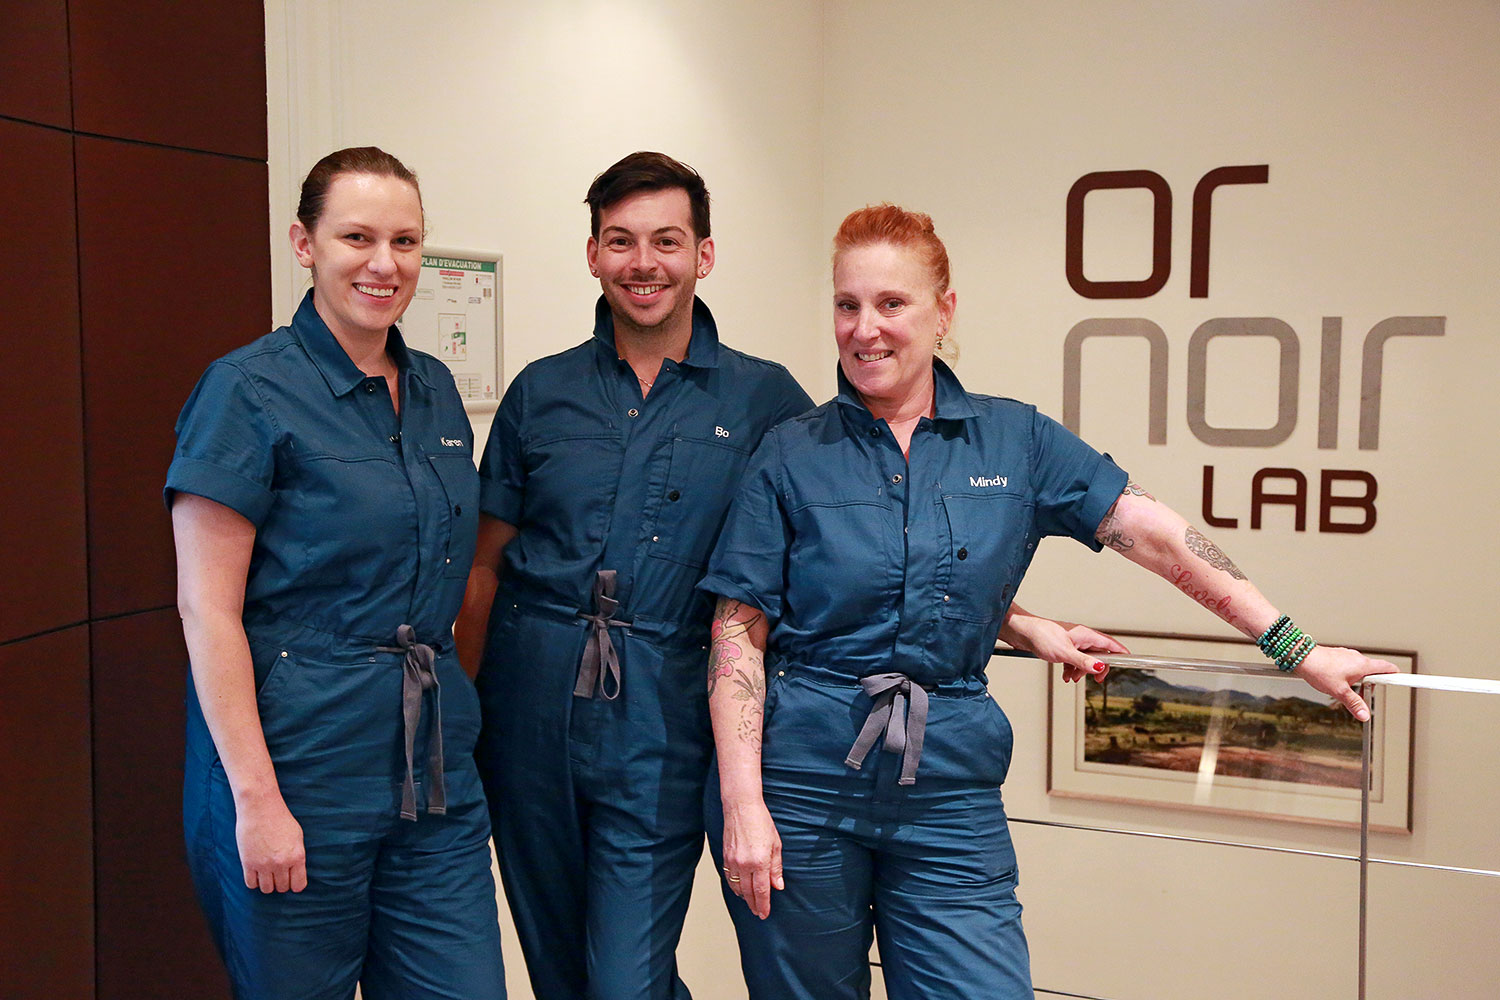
1377, 121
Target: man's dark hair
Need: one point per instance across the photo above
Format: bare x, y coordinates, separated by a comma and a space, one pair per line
648, 172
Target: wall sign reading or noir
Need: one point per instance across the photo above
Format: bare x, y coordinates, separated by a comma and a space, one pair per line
1272, 485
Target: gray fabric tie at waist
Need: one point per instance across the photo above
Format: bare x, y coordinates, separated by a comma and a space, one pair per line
417, 677
903, 734
600, 666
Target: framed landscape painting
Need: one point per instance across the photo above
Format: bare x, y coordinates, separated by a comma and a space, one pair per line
1250, 743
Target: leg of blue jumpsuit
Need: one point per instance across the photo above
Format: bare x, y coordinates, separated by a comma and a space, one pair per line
946, 911
406, 907
815, 945
307, 945
433, 914
639, 765
526, 690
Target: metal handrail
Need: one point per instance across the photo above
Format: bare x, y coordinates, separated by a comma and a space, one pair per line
1430, 682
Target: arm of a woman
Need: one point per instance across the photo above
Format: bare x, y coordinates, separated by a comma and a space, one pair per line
479, 594
736, 703
213, 557
1059, 642
1156, 537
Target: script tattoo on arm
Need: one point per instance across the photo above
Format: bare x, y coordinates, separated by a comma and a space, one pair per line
1199, 544
1110, 532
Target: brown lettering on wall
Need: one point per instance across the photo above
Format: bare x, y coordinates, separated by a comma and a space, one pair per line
1209, 518
1203, 196
1260, 496
1328, 501
1161, 234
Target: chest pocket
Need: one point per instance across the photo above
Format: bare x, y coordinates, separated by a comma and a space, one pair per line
689, 510
460, 521
985, 536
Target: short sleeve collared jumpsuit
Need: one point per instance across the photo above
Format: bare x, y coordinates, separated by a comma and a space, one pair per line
885, 579
365, 526
596, 741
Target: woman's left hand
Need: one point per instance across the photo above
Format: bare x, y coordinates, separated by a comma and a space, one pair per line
1335, 670
1063, 642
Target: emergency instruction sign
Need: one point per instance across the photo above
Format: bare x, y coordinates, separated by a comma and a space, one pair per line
455, 317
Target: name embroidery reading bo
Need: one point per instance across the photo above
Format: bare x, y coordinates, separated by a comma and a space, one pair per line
999, 481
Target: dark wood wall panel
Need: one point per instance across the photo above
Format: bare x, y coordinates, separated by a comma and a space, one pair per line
46, 854
42, 532
180, 74
153, 941
34, 62
176, 270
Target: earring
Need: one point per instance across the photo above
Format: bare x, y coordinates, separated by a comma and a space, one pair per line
703, 274
594, 271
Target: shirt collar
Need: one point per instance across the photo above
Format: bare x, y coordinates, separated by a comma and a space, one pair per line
703, 346
329, 356
950, 399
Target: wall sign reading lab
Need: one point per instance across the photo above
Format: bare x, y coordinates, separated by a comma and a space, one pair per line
1345, 499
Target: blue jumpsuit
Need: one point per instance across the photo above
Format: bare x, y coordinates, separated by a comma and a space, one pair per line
885, 582
365, 527
596, 740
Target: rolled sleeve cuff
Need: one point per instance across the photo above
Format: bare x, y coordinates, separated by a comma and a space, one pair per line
500, 501
722, 586
1108, 483
245, 497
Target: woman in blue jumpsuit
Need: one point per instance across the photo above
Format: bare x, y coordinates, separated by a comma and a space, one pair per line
324, 502
863, 573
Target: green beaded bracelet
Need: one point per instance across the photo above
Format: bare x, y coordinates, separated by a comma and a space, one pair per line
1285, 644
1270, 635
1299, 657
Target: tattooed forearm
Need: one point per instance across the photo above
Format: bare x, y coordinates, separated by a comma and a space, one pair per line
725, 654
1218, 604
737, 635
1111, 534
1199, 545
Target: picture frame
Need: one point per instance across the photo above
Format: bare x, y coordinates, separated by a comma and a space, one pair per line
1253, 742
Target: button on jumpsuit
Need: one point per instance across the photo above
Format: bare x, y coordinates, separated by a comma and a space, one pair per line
596, 777
885, 582
365, 523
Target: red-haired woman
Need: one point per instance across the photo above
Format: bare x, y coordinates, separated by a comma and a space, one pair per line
869, 558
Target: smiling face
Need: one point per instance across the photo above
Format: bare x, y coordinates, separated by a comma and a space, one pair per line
366, 251
648, 261
887, 317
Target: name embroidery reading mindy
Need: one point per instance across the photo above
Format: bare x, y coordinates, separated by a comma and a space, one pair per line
989, 481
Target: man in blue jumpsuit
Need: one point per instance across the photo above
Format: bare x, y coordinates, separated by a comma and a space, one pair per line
606, 478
